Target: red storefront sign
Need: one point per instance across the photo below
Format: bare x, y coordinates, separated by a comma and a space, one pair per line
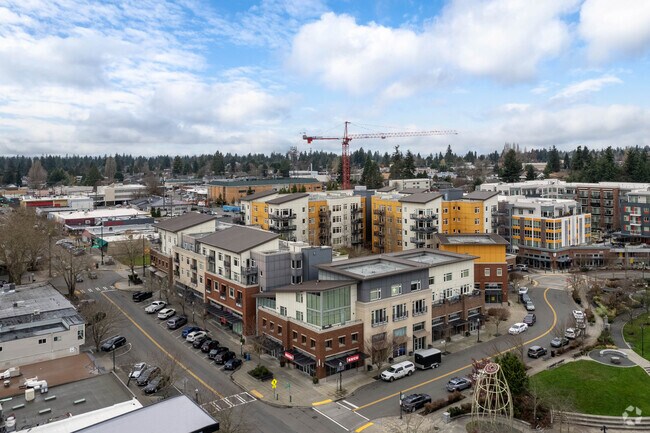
351, 359
288, 355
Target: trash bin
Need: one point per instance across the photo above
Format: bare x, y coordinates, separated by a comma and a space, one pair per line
446, 418
248, 356
552, 353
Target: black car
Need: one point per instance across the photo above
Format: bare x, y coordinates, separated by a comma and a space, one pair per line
198, 342
147, 375
141, 296
217, 351
413, 402
223, 357
113, 343
207, 346
232, 364
530, 319
176, 322
155, 384
536, 351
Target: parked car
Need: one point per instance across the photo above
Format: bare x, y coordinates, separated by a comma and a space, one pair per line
113, 343
166, 313
517, 328
399, 370
530, 319
137, 370
522, 268
79, 279
208, 345
154, 307
458, 384
559, 342
232, 364
536, 351
92, 275
413, 402
523, 290
176, 322
198, 341
195, 334
530, 306
572, 333
525, 299
141, 296
578, 315
223, 357
217, 351
189, 329
155, 384
147, 375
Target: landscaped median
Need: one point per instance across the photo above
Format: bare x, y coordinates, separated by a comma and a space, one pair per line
637, 335
593, 388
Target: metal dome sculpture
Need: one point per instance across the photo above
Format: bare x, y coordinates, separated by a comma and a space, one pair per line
492, 409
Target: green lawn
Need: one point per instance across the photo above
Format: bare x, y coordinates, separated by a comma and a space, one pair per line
632, 332
596, 388
138, 260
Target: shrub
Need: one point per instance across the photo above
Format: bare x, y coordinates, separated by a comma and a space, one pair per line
605, 338
314, 380
440, 403
259, 371
460, 410
454, 397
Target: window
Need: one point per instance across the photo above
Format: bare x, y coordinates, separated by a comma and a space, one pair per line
396, 289
432, 281
303, 339
279, 330
499, 272
328, 344
283, 311
378, 317
419, 307
220, 256
80, 335
418, 327
342, 340
375, 294
57, 338
464, 273
296, 279
42, 341
447, 276
296, 264
299, 297
477, 221
487, 272
399, 332
231, 292
300, 316
312, 343
271, 326
354, 337
400, 312
264, 323
415, 285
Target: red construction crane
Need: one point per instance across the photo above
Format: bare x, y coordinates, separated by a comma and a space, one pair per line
345, 140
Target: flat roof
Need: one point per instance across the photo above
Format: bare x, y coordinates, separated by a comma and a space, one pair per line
314, 286
421, 197
103, 213
285, 198
252, 182
375, 267
431, 257
177, 414
474, 239
238, 239
481, 195
26, 299
184, 221
258, 195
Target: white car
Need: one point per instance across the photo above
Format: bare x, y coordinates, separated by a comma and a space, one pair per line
195, 335
578, 315
166, 313
138, 368
523, 290
154, 307
572, 333
517, 328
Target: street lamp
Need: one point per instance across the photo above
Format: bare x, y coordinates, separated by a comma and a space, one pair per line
113, 350
478, 329
340, 369
400, 405
101, 242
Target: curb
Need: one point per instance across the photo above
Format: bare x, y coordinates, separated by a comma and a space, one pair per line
270, 403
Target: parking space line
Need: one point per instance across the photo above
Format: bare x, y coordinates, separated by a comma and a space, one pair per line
344, 428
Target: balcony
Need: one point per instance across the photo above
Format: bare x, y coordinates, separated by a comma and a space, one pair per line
356, 241
423, 229
378, 233
324, 213
177, 273
283, 228
357, 231
177, 260
249, 270
401, 317
420, 311
379, 212
417, 241
282, 216
376, 324
355, 210
423, 217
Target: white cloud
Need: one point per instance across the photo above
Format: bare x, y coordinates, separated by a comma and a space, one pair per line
577, 90
615, 29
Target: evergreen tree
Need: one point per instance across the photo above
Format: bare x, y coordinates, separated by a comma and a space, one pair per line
514, 371
511, 167
408, 167
92, 177
371, 176
530, 172
567, 161
218, 166
177, 168
553, 164
397, 164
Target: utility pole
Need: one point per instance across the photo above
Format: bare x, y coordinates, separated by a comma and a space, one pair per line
101, 242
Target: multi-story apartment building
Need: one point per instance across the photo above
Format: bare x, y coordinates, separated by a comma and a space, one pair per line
333, 218
420, 183
394, 302
542, 229
635, 215
475, 212
232, 190
37, 323
420, 216
601, 200
171, 233
490, 266
386, 223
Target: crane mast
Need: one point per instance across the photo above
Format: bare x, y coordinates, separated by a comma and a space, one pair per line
345, 144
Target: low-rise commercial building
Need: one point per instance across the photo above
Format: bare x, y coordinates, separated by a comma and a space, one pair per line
232, 190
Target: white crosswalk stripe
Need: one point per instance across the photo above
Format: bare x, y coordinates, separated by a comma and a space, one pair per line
231, 401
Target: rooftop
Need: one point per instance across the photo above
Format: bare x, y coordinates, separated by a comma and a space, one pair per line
375, 267
314, 286
258, 195
468, 239
480, 195
184, 221
102, 213
431, 257
238, 239
421, 197
252, 182
285, 198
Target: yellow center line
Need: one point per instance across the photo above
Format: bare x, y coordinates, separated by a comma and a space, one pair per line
363, 427
549, 330
146, 334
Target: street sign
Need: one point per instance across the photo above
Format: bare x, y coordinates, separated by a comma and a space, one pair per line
274, 383
289, 355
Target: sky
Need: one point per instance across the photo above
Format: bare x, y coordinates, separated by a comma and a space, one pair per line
149, 77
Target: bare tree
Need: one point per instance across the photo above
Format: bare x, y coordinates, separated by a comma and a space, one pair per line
162, 286
231, 420
37, 175
22, 243
379, 350
102, 320
411, 423
131, 250
169, 370
70, 263
517, 343
152, 183
499, 314
516, 279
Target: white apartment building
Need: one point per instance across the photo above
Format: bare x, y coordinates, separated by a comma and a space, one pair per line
420, 213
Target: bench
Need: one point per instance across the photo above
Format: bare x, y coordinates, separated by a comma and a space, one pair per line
613, 352
555, 364
615, 360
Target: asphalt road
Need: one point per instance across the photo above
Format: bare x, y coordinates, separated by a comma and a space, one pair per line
150, 341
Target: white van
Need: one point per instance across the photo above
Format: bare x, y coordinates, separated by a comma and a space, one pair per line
399, 370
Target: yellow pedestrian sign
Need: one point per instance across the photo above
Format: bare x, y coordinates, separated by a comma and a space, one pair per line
274, 383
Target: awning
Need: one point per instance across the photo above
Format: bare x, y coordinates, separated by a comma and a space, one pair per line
223, 316
440, 325
301, 359
152, 269
334, 362
271, 345
420, 333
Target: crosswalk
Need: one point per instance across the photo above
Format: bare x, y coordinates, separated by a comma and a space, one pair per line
230, 402
96, 289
